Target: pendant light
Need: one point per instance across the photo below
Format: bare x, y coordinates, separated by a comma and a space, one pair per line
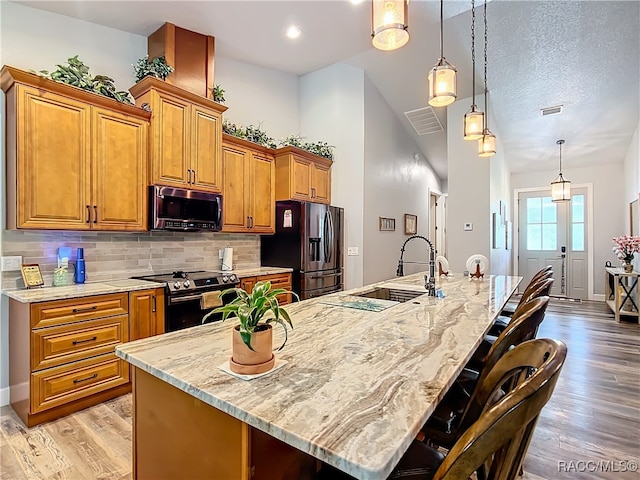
560, 188
442, 77
486, 143
473, 119
389, 23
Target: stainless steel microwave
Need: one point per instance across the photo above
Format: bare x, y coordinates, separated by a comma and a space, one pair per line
185, 210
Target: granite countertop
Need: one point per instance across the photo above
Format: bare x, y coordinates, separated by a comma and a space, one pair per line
358, 384
45, 294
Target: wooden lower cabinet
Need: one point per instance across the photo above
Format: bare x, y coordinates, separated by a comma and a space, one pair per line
278, 280
146, 313
61, 355
210, 443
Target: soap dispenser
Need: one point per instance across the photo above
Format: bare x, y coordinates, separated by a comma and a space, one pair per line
80, 274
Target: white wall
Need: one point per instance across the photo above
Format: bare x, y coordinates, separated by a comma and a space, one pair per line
610, 208
500, 178
259, 96
332, 110
395, 183
469, 188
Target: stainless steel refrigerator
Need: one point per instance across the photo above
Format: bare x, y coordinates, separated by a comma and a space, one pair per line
309, 238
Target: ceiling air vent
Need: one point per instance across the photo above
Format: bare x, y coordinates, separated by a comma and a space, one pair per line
424, 121
551, 110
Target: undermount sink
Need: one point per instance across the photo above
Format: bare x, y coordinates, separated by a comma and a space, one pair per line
393, 294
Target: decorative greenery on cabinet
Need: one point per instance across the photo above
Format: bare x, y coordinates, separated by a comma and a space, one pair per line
158, 67
76, 74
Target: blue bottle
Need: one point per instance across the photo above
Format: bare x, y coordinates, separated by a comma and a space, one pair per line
80, 274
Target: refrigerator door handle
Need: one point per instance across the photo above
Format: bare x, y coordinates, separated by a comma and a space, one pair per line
328, 236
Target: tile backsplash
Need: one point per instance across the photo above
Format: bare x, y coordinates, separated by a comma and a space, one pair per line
111, 256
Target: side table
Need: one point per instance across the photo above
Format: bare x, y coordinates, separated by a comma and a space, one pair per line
621, 292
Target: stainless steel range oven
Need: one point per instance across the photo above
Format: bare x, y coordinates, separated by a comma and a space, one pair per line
183, 294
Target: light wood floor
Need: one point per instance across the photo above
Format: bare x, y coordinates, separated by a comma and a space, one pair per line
594, 414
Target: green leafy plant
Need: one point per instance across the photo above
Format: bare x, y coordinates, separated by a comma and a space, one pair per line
250, 133
218, 94
76, 73
158, 67
251, 308
322, 149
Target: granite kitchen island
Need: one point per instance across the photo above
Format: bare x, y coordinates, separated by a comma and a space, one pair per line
355, 390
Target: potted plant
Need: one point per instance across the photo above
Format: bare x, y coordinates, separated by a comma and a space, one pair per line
252, 339
217, 93
157, 67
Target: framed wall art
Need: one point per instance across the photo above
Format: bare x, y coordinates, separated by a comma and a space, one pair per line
410, 224
387, 224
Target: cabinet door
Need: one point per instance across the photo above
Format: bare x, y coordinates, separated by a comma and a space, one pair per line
321, 184
262, 190
52, 164
206, 149
248, 283
301, 178
235, 197
170, 125
119, 172
146, 313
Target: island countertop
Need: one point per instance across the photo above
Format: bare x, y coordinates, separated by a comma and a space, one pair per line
358, 384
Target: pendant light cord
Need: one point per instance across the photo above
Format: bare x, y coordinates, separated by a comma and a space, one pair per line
560, 143
441, 29
473, 51
486, 106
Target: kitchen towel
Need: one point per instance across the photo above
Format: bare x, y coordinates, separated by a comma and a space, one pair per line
227, 259
210, 300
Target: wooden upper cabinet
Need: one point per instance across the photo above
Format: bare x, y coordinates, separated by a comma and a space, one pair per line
248, 191
75, 160
119, 172
186, 136
303, 176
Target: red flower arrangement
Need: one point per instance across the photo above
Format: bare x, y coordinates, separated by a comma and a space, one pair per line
625, 246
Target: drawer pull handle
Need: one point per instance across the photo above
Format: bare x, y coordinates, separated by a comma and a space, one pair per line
79, 380
82, 310
92, 339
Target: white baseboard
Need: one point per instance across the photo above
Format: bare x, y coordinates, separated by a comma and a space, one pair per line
598, 297
4, 396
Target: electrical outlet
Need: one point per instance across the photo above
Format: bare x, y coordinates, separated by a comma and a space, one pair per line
353, 251
468, 226
221, 254
11, 264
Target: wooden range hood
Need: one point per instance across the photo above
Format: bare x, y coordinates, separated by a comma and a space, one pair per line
191, 55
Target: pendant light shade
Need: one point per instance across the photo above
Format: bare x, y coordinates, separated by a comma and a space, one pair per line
389, 24
442, 77
473, 119
560, 188
487, 144
473, 124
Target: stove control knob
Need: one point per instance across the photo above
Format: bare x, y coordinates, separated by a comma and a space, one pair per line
233, 278
225, 279
176, 285
186, 284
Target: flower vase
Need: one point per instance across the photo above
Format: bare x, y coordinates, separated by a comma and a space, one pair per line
628, 267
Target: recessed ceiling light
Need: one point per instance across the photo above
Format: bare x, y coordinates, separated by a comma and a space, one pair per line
293, 32
356, 2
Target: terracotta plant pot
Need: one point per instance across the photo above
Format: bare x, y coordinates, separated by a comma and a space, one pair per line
259, 360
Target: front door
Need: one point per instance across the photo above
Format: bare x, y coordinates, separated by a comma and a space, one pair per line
554, 234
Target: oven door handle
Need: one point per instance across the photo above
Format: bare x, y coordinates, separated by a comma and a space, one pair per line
186, 298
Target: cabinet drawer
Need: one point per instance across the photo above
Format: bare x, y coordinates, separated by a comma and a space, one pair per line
66, 343
57, 386
47, 314
278, 280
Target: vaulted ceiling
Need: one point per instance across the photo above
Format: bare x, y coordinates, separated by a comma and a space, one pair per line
583, 55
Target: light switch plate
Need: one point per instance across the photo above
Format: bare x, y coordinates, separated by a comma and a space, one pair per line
11, 264
351, 251
221, 253
468, 226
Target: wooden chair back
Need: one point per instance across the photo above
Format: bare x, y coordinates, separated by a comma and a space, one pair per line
494, 446
522, 327
541, 288
534, 286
